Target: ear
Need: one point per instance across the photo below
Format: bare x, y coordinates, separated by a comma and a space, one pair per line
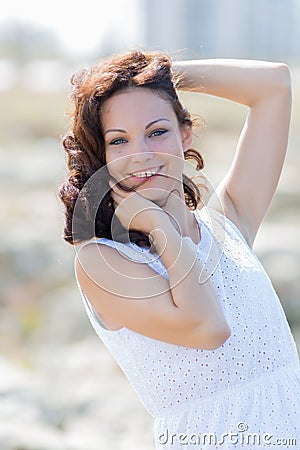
187, 137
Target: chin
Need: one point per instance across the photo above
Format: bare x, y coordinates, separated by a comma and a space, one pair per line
158, 196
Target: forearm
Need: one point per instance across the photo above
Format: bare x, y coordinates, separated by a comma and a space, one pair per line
191, 288
242, 81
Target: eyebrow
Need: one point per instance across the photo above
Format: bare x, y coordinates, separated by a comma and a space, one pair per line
119, 130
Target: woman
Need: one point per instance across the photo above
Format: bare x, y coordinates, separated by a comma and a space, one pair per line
174, 290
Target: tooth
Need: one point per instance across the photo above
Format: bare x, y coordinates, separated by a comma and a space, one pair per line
146, 174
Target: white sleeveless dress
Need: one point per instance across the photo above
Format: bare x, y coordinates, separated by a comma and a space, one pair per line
243, 395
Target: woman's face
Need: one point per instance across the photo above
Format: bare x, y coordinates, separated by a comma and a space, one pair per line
144, 143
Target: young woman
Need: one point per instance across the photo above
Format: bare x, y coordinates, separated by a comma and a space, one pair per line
173, 288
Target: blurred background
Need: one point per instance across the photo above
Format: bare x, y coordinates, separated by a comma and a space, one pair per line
59, 387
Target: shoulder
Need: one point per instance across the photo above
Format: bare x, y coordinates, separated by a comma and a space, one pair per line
114, 267
90, 252
102, 258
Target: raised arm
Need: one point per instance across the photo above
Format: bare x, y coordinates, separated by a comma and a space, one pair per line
265, 87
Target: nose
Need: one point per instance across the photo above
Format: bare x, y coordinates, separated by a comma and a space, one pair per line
141, 157
140, 152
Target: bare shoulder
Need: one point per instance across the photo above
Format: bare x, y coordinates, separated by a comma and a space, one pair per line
112, 271
112, 283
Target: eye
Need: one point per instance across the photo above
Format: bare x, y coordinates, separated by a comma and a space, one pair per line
158, 132
117, 141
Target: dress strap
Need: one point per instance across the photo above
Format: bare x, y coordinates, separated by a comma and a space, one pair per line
133, 253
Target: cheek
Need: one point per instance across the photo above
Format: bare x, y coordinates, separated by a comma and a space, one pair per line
174, 162
114, 172
174, 154
172, 146
112, 158
116, 167
112, 165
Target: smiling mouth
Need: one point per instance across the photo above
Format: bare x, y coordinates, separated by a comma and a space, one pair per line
147, 173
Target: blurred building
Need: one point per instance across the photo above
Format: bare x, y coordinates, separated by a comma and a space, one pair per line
224, 28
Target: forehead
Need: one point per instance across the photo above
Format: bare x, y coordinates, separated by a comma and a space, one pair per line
138, 104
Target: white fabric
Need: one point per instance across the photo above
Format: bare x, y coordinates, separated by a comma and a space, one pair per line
246, 394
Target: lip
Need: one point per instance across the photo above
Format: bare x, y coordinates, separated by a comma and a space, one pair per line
131, 175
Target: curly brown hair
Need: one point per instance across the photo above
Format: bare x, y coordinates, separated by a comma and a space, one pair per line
84, 145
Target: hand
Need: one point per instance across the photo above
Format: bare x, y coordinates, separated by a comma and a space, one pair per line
136, 212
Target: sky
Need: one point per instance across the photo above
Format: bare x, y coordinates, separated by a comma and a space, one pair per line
80, 26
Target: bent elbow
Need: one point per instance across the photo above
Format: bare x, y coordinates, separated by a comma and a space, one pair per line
284, 77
